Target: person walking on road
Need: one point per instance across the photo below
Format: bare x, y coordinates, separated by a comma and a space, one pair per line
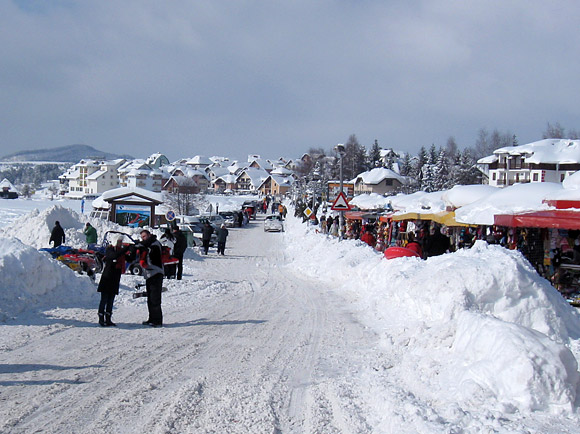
57, 235
222, 235
91, 236
179, 249
153, 271
206, 234
110, 279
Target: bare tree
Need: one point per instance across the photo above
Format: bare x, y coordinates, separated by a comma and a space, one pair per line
554, 131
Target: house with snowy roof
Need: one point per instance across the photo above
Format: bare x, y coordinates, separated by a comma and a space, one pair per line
138, 174
379, 180
548, 160
199, 162
7, 190
250, 179
225, 182
276, 185
157, 160
187, 179
90, 178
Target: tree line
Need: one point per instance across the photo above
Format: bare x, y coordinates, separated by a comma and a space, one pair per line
432, 169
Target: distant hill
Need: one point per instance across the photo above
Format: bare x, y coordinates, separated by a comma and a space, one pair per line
65, 154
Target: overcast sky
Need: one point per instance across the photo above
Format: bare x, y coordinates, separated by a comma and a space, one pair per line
275, 78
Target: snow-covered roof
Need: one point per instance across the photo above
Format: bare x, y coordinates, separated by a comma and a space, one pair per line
488, 160
516, 198
285, 181
281, 170
199, 160
546, 151
462, 195
7, 184
378, 174
257, 176
228, 179
370, 201
419, 202
96, 175
128, 191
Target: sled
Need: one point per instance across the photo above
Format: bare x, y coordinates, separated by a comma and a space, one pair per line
400, 252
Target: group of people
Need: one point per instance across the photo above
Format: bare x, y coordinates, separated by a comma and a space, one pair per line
150, 251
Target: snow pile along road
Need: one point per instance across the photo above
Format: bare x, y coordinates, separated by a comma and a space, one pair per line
34, 229
30, 279
476, 328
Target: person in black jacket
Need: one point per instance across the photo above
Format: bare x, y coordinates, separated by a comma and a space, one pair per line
152, 266
206, 233
110, 279
57, 235
179, 249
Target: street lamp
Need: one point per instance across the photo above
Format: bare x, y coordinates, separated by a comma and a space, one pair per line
341, 151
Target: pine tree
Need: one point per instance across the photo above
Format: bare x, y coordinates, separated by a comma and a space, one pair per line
441, 179
375, 155
406, 167
427, 175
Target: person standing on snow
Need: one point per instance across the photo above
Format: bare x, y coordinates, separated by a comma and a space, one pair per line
91, 236
206, 234
222, 235
179, 249
110, 279
167, 240
57, 235
153, 271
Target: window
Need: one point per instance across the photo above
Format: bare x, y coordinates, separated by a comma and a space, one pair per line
493, 176
535, 177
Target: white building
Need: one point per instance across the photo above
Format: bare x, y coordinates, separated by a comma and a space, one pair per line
379, 180
138, 174
548, 160
90, 177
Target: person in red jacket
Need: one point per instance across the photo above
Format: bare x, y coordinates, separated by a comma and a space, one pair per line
368, 237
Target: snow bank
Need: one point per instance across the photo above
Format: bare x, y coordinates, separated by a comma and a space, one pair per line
480, 317
34, 228
30, 279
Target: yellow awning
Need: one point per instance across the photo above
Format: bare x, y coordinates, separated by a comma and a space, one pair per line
446, 218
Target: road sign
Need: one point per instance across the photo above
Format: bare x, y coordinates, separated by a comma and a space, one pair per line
308, 212
170, 216
341, 203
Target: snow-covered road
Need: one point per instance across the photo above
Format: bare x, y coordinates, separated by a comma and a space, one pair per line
247, 346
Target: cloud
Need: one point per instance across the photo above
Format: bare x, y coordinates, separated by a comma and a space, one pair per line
245, 77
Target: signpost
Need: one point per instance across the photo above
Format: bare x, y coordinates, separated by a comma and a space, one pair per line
341, 203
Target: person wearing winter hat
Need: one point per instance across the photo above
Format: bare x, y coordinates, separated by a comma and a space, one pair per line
110, 279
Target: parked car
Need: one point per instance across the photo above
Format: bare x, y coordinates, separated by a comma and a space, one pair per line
273, 223
229, 218
216, 220
196, 231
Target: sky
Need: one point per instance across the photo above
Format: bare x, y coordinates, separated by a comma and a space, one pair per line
233, 78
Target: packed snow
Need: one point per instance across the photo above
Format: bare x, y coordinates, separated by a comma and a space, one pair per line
289, 332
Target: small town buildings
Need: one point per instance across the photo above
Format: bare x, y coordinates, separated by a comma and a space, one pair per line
379, 180
548, 160
90, 178
138, 174
250, 179
276, 185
